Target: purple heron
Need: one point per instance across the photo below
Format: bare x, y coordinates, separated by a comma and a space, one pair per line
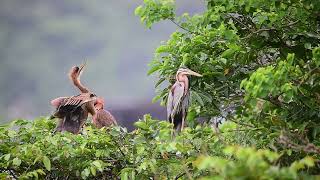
178, 98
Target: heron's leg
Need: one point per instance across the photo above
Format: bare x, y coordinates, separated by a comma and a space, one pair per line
183, 119
172, 133
172, 129
182, 124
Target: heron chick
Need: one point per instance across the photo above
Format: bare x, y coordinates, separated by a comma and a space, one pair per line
103, 118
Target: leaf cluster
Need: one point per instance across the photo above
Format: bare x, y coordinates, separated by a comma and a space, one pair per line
260, 61
29, 150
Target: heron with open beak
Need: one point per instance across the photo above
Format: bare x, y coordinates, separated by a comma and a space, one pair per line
74, 76
102, 117
178, 98
73, 111
88, 101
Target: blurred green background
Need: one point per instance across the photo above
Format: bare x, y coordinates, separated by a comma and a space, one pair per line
41, 39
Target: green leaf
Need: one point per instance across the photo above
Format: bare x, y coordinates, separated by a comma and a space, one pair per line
156, 98
309, 161
159, 82
197, 97
141, 125
97, 164
138, 10
227, 54
307, 46
7, 157
85, 173
162, 49
154, 69
47, 163
93, 171
16, 161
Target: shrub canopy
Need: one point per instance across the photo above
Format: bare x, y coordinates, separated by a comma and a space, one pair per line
260, 60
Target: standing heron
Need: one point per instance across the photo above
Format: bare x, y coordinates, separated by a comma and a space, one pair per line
178, 98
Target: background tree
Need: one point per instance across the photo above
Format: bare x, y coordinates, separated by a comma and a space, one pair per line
260, 61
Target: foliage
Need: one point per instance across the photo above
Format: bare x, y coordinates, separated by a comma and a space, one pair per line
260, 61
149, 12
31, 150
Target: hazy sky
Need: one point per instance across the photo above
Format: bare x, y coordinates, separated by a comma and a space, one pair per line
41, 39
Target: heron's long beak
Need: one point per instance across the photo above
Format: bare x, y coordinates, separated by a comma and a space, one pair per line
82, 66
190, 72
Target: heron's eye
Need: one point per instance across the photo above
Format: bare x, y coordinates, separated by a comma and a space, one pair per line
92, 95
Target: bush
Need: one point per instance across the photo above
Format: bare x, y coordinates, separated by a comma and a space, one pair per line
29, 150
260, 65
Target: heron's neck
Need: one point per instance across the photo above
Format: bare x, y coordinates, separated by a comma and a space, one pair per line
77, 83
182, 78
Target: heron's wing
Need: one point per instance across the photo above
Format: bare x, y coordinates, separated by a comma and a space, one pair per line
74, 121
57, 102
78, 100
174, 99
169, 104
70, 104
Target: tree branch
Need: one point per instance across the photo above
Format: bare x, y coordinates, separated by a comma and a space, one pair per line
242, 124
189, 31
270, 29
179, 176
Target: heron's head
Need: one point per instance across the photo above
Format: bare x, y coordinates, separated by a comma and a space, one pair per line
99, 103
76, 71
186, 71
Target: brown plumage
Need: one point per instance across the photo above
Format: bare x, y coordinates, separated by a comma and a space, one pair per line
74, 76
103, 117
71, 116
73, 111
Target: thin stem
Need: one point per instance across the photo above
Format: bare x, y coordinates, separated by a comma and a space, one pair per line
118, 146
179, 176
270, 29
192, 32
242, 124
